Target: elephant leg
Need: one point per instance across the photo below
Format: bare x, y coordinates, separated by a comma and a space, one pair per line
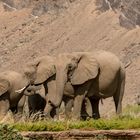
55, 113
21, 104
68, 102
4, 107
118, 96
31, 104
86, 109
51, 88
47, 110
83, 110
95, 107
78, 101
78, 106
14, 109
80, 93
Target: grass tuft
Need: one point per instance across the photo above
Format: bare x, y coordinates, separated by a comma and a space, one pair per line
128, 120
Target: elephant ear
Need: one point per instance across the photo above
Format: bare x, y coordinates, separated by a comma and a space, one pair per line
87, 69
4, 86
30, 70
45, 70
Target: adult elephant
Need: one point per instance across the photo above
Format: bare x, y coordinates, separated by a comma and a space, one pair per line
43, 71
95, 75
13, 86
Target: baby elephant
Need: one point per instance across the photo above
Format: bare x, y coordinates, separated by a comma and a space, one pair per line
13, 86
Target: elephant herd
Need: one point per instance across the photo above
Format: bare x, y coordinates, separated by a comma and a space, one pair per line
79, 79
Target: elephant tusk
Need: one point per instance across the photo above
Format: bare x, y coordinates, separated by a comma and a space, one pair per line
20, 90
102, 101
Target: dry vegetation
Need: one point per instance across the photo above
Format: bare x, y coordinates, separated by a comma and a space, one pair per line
128, 120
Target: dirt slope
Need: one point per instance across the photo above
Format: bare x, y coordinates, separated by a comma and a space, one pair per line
77, 26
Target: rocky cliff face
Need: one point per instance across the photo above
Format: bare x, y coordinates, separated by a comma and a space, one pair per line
38, 7
129, 11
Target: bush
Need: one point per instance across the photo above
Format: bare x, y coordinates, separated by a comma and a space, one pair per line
9, 133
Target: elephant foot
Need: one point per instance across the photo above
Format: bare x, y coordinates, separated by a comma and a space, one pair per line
68, 115
67, 118
76, 118
47, 116
95, 116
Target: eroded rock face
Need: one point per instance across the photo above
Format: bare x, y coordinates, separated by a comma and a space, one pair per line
10, 5
129, 11
39, 7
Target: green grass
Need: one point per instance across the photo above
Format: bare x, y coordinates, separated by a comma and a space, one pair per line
124, 122
130, 119
9, 133
132, 110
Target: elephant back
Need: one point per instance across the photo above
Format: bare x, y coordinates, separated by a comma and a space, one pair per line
107, 61
4, 86
17, 81
110, 66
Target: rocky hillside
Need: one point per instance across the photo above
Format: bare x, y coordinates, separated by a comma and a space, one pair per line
34, 28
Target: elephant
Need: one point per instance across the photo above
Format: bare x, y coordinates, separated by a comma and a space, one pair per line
13, 87
37, 101
96, 75
44, 68
42, 72
45, 73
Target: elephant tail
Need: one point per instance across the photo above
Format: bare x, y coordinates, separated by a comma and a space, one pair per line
118, 96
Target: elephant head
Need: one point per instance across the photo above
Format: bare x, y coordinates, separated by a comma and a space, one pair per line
4, 86
40, 69
77, 68
32, 89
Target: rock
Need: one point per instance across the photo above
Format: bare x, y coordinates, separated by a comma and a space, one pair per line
129, 11
38, 7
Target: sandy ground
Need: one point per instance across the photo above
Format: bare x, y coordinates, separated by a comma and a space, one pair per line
79, 27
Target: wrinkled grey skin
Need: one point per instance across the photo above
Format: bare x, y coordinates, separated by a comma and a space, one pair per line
13, 86
37, 102
68, 99
42, 71
94, 75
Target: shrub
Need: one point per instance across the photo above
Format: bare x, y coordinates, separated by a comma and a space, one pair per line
9, 133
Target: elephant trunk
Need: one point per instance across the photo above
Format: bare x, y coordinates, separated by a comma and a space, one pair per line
31, 90
61, 78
